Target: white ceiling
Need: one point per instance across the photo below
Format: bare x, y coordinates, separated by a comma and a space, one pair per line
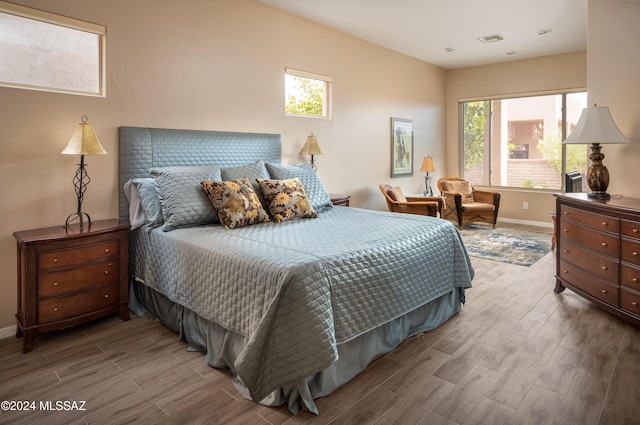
424, 28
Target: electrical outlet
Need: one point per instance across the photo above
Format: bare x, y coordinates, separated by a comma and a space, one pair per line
525, 205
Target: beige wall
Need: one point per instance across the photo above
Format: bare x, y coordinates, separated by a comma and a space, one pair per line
555, 72
213, 65
613, 79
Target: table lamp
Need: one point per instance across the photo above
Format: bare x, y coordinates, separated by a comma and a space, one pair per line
83, 142
427, 166
596, 126
312, 148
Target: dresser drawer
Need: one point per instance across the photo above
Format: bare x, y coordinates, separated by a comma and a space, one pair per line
597, 221
630, 276
77, 255
59, 308
601, 242
594, 286
596, 264
630, 251
78, 278
630, 301
630, 229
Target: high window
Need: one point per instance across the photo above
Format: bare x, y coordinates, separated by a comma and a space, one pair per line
43, 51
307, 94
517, 142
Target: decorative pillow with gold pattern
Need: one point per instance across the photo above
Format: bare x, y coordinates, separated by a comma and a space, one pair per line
287, 199
236, 202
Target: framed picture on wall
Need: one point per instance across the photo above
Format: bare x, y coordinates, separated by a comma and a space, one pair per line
401, 147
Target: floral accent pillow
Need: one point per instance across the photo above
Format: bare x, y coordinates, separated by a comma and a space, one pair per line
236, 202
287, 199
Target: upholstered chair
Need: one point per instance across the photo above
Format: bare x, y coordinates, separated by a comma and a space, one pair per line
464, 204
422, 205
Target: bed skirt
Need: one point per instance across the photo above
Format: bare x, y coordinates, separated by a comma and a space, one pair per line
222, 347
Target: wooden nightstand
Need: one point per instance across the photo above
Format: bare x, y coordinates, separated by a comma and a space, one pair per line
338, 199
68, 276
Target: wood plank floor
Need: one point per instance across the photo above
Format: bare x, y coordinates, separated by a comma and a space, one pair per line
517, 354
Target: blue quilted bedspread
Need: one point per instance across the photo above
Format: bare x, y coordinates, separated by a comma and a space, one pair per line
296, 289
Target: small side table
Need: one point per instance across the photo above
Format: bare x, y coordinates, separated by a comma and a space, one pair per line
338, 199
69, 276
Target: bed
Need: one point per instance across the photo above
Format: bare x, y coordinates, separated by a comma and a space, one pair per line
293, 309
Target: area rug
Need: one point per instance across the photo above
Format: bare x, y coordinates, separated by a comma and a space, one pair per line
505, 244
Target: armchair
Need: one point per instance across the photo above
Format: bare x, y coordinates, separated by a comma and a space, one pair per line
464, 204
422, 205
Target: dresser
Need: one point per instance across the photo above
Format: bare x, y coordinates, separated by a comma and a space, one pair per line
68, 276
598, 246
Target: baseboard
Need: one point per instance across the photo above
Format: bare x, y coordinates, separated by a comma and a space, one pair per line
527, 222
7, 332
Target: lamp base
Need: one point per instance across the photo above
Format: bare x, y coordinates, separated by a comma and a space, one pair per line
597, 174
427, 185
599, 195
80, 216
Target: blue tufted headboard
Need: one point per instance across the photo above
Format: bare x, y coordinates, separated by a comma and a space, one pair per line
144, 148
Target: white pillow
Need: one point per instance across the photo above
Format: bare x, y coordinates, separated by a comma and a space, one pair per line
136, 215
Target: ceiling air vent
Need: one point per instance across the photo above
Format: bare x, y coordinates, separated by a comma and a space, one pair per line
491, 38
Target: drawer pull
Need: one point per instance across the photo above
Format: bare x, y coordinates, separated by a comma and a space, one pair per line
566, 213
565, 271
634, 253
55, 308
604, 223
106, 296
634, 230
635, 279
106, 272
604, 244
55, 260
566, 251
55, 283
604, 291
565, 230
633, 303
106, 251
604, 267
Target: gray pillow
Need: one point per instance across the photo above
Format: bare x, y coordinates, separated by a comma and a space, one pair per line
149, 201
183, 201
256, 170
318, 196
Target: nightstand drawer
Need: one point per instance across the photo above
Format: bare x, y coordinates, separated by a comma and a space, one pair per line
604, 243
77, 255
599, 265
596, 287
79, 278
59, 308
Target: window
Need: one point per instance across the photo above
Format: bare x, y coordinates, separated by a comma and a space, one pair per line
517, 142
43, 51
307, 94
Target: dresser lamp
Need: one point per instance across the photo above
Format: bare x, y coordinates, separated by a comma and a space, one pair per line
83, 142
596, 126
427, 166
312, 148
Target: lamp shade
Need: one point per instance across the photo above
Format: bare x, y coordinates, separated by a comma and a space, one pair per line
311, 146
427, 164
596, 126
84, 141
